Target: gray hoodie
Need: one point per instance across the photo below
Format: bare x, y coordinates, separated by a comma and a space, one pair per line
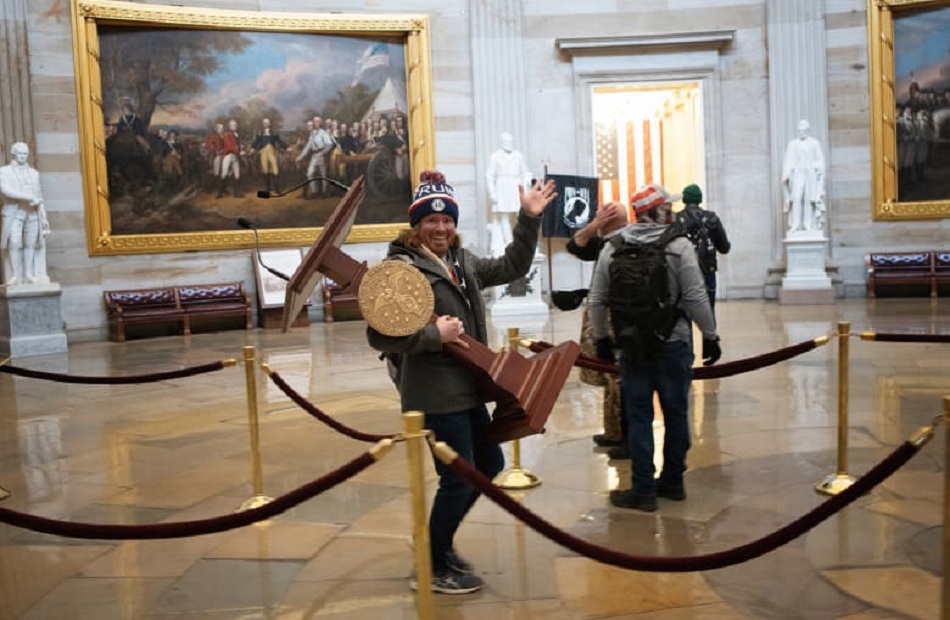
685, 281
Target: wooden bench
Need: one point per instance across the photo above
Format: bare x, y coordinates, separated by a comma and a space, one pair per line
142, 306
176, 306
212, 301
339, 303
908, 274
942, 272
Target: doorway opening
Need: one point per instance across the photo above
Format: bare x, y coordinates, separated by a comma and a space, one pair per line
647, 132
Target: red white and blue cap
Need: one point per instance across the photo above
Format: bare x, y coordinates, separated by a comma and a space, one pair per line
650, 197
433, 195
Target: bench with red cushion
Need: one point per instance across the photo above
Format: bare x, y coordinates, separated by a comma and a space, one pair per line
142, 306
178, 305
906, 274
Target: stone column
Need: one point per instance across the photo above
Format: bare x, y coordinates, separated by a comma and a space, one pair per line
498, 81
31, 321
16, 109
797, 90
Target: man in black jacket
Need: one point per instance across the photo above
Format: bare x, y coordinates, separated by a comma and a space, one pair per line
706, 231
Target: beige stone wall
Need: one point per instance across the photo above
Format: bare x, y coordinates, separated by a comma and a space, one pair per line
745, 177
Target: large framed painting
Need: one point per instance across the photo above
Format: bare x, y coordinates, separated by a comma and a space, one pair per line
910, 108
191, 118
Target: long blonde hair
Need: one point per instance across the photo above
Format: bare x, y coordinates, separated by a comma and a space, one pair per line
410, 238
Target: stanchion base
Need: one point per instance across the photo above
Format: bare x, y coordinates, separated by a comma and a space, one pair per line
4, 493
255, 502
517, 478
834, 484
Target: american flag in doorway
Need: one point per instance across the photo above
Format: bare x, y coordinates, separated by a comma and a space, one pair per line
607, 161
629, 154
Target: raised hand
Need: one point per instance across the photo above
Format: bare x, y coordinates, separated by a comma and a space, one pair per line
537, 198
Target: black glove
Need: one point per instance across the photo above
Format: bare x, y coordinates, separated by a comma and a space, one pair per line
711, 351
605, 350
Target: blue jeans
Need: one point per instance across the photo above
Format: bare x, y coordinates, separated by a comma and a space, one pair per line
670, 376
466, 432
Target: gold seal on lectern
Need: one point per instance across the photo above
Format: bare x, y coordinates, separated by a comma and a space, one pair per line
395, 298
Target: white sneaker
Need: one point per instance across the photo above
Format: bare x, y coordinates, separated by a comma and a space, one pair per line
450, 581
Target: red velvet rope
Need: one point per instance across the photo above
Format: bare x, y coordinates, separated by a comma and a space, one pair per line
910, 337
312, 409
704, 562
125, 379
700, 373
182, 529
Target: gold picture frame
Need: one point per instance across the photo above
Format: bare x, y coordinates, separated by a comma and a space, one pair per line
134, 204
904, 101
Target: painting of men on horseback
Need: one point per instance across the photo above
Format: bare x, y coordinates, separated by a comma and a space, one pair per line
197, 122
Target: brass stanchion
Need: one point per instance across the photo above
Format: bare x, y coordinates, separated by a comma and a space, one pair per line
257, 472
838, 482
946, 510
415, 444
515, 478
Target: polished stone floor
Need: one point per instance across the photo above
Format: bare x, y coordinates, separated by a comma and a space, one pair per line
181, 449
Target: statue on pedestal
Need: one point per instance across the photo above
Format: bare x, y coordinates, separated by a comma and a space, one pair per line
24, 224
506, 171
803, 177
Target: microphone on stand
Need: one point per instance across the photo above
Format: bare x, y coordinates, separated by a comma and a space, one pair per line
246, 224
269, 194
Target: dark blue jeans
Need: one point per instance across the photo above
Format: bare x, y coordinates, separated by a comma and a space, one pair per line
670, 377
466, 432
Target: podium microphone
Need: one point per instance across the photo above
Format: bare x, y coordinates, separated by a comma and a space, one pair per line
246, 224
268, 194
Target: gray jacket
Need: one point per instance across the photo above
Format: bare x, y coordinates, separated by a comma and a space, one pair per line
685, 281
430, 380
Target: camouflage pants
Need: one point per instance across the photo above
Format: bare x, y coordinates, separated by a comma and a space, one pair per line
612, 410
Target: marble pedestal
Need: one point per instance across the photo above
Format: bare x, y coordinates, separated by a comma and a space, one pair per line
521, 297
31, 321
806, 281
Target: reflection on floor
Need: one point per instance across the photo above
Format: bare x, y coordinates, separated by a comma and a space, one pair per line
180, 450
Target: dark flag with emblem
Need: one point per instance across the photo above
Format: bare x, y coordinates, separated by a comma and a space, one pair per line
574, 207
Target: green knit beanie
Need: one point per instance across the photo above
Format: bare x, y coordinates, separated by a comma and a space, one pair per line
692, 195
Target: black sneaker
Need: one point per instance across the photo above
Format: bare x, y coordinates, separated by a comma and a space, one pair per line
450, 581
628, 499
458, 563
618, 453
602, 441
675, 492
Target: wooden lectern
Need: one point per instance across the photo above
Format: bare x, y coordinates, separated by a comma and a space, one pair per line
524, 389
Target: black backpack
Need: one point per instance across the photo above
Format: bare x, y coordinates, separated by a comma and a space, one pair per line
698, 234
641, 311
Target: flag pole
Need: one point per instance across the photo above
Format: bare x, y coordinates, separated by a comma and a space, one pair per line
547, 240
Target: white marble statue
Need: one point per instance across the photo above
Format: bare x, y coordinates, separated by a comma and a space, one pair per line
24, 224
803, 179
506, 171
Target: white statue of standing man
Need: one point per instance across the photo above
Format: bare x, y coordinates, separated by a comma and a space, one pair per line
803, 178
24, 224
506, 171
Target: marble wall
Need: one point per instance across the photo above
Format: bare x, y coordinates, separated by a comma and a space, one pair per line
740, 189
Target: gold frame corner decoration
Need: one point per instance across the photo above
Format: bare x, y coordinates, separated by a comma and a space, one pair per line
409, 33
883, 80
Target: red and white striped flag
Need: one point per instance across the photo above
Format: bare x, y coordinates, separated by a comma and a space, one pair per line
376, 55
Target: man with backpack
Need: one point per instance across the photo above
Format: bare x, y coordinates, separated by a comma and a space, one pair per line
706, 232
646, 288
